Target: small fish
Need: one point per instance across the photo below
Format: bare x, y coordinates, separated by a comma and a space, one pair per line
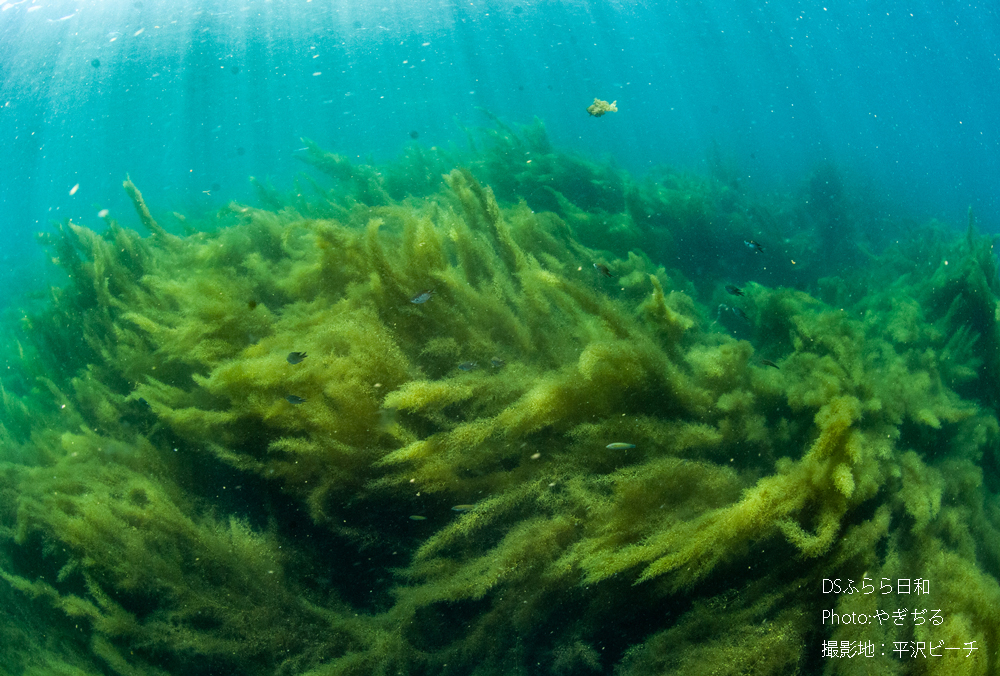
619, 446
753, 246
739, 313
292, 399
603, 269
422, 297
734, 290
463, 508
417, 517
468, 366
296, 357
251, 304
497, 362
768, 362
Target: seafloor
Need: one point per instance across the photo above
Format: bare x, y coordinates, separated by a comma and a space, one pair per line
532, 431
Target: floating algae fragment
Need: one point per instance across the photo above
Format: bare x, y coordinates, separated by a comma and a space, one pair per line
599, 107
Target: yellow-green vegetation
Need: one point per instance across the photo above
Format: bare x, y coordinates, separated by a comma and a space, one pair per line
180, 496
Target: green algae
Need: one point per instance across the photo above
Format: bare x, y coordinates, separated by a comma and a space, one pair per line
186, 517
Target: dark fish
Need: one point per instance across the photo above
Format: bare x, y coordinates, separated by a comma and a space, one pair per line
753, 246
603, 269
292, 399
296, 357
414, 134
468, 366
497, 362
251, 304
422, 297
768, 362
235, 70
96, 63
739, 313
734, 290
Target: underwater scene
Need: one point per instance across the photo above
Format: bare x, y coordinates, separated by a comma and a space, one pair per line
502, 337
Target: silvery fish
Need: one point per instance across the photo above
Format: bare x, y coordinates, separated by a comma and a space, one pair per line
753, 246
422, 297
292, 399
468, 366
619, 446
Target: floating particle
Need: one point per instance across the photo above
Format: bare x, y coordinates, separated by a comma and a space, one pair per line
72, 191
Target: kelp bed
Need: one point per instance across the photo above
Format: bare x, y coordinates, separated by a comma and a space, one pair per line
430, 490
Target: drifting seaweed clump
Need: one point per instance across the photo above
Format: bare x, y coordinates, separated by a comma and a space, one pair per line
488, 455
